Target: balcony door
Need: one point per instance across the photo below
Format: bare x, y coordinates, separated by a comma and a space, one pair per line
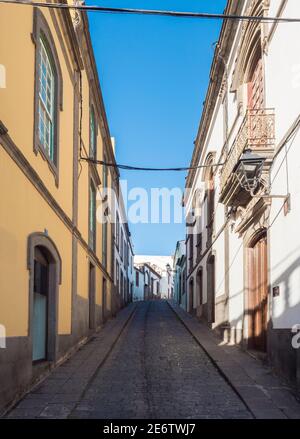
256, 86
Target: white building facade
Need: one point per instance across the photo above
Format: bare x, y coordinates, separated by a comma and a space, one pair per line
161, 269
243, 245
167, 282
130, 267
123, 252
139, 284
179, 270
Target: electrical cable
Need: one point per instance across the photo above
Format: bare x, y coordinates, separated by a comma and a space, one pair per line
178, 169
176, 14
95, 8
139, 168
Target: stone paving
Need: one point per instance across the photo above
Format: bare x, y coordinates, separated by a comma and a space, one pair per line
264, 393
157, 371
149, 363
59, 393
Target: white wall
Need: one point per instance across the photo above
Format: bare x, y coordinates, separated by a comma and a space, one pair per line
282, 70
283, 93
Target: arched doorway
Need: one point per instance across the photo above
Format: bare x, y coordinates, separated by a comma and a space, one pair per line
258, 293
211, 289
191, 297
180, 289
200, 292
44, 264
40, 322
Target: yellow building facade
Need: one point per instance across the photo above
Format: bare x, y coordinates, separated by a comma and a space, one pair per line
56, 269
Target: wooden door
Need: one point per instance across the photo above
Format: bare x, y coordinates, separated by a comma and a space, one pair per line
258, 295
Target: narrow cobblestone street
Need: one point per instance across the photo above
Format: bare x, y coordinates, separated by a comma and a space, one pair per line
158, 371
155, 370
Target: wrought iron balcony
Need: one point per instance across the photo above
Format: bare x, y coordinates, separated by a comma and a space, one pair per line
257, 132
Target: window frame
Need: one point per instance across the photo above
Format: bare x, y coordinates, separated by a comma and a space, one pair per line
44, 102
92, 238
199, 245
42, 35
92, 117
104, 243
122, 245
104, 173
117, 231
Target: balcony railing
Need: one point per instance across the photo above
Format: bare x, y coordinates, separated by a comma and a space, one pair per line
257, 131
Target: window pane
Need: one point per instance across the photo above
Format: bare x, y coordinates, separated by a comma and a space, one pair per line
46, 102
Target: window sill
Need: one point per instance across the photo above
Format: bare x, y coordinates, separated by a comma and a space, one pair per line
52, 167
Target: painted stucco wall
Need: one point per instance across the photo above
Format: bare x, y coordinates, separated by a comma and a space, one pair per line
32, 202
281, 63
283, 93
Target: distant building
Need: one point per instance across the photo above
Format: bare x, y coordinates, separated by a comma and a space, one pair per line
158, 276
152, 283
139, 282
167, 282
179, 270
123, 253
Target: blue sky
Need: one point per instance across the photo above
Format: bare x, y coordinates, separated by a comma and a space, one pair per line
154, 74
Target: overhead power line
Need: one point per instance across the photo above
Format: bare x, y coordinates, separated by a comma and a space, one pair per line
139, 168
176, 14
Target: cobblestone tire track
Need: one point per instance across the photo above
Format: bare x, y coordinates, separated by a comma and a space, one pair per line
157, 371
